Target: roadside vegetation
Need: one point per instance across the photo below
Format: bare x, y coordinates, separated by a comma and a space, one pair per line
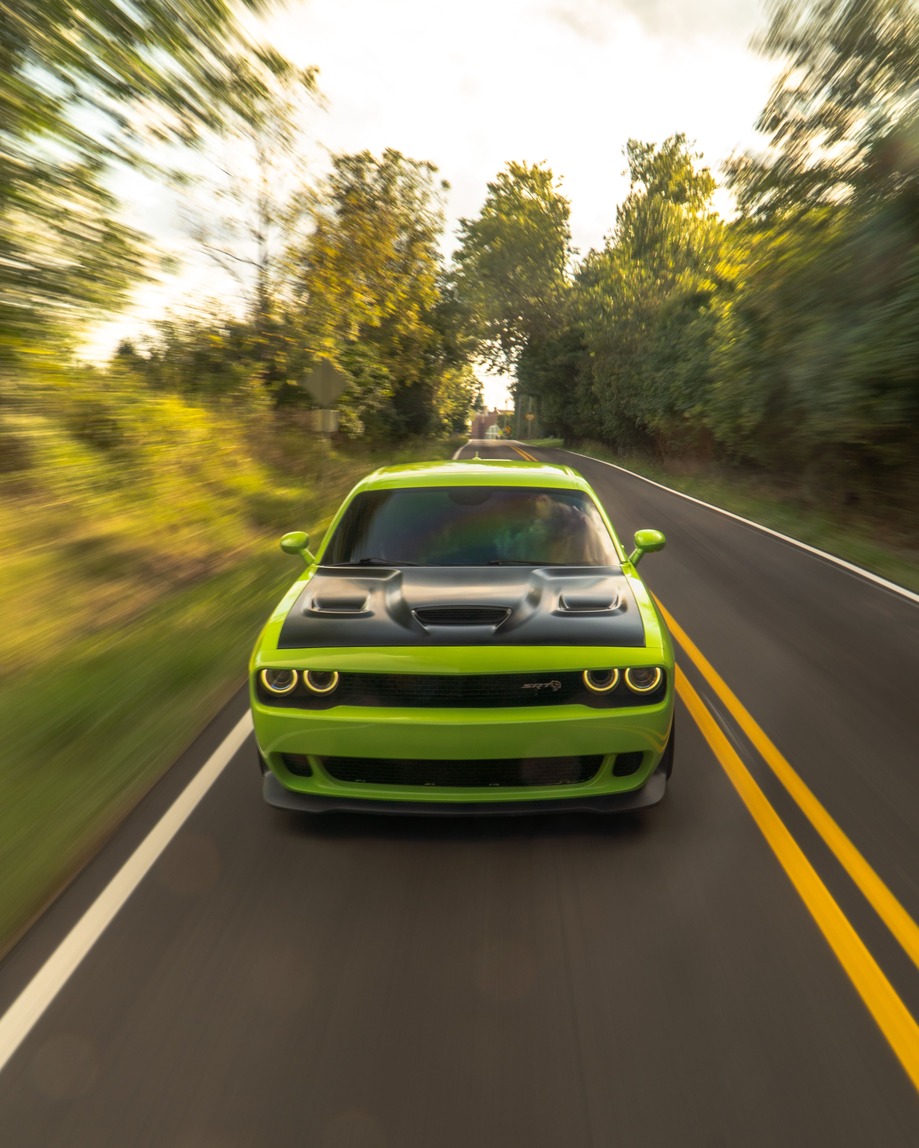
860, 538
856, 536
139, 533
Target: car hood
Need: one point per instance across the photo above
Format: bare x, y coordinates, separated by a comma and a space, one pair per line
460, 606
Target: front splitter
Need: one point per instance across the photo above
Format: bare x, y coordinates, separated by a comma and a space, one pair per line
650, 794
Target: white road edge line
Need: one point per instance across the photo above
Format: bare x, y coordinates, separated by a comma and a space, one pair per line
858, 570
31, 1004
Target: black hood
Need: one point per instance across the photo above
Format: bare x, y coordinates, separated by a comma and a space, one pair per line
464, 606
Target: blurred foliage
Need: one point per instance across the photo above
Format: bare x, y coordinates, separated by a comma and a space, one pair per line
247, 213
83, 87
115, 494
363, 287
785, 339
642, 300
816, 368
103, 713
842, 121
200, 355
149, 521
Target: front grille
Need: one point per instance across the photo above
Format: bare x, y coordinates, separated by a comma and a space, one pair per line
457, 691
628, 763
496, 772
462, 615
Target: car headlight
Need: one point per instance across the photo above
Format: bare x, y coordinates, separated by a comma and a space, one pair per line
601, 681
320, 681
279, 682
643, 679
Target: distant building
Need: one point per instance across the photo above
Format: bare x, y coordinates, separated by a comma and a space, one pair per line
491, 424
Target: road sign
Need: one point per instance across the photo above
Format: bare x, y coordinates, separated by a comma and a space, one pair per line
325, 383
530, 416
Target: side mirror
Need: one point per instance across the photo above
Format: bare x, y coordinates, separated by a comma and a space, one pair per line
298, 543
646, 541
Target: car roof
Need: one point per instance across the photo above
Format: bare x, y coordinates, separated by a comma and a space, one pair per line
475, 472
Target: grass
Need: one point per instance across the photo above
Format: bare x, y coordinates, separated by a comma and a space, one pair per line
875, 544
139, 562
86, 737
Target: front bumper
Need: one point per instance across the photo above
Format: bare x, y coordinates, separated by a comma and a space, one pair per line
460, 736
649, 794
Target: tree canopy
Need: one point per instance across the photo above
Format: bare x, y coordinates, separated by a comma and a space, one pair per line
81, 85
785, 338
843, 117
511, 267
366, 292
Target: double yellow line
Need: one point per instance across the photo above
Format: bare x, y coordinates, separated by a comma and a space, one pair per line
524, 454
889, 1012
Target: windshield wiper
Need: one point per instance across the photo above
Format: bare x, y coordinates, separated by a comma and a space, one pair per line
515, 562
373, 562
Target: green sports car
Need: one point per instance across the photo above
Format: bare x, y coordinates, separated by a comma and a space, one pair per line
471, 637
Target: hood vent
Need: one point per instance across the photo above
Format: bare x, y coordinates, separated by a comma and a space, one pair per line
582, 602
340, 605
462, 615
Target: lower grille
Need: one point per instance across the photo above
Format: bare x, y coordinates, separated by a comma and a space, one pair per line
628, 763
492, 772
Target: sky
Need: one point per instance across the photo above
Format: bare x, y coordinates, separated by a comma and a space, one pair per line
475, 85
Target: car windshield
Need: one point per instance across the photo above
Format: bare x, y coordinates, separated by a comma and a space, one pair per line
471, 526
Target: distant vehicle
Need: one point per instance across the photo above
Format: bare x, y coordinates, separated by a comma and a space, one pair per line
494, 431
471, 637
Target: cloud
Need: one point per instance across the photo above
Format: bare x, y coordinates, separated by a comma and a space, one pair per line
596, 20
591, 20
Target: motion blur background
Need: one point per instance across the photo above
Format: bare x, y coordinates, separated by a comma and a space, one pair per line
201, 201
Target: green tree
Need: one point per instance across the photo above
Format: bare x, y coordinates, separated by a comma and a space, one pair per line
246, 213
366, 291
642, 300
818, 359
512, 266
554, 370
205, 355
818, 354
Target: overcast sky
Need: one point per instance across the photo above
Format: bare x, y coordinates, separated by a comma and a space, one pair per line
472, 86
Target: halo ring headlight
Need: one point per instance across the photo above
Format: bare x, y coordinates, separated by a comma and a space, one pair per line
320, 681
601, 681
643, 679
278, 682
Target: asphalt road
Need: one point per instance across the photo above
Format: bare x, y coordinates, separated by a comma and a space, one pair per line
654, 979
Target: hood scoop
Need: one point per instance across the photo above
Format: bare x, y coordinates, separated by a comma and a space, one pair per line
338, 598
462, 615
585, 602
